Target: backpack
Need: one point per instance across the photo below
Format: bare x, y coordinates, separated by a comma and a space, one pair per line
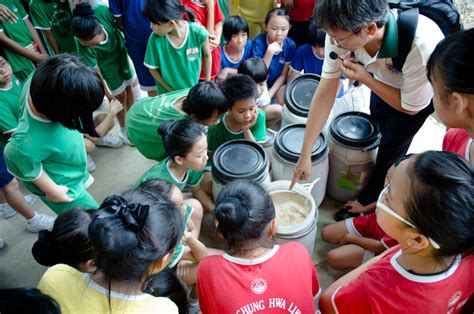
442, 12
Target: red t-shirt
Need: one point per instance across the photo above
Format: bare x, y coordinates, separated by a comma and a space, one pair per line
200, 13
386, 287
457, 141
283, 280
302, 10
367, 227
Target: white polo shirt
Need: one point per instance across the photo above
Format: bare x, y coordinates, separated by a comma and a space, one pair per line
416, 91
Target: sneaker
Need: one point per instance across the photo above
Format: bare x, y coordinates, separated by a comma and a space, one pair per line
2, 244
90, 164
109, 140
125, 139
41, 222
7, 212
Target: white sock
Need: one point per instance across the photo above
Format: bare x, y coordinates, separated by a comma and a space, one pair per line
137, 92
35, 217
123, 131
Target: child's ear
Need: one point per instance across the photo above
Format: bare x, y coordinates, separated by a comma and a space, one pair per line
178, 159
264, 26
87, 266
459, 101
418, 242
273, 228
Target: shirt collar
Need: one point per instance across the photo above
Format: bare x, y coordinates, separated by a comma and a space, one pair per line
389, 47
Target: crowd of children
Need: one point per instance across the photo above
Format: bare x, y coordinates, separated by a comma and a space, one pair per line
139, 250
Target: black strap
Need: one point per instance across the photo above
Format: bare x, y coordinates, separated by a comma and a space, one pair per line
407, 23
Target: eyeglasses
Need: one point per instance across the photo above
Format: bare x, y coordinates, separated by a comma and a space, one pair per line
339, 42
393, 213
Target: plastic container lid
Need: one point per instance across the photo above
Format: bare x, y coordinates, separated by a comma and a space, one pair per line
355, 129
239, 159
289, 141
299, 93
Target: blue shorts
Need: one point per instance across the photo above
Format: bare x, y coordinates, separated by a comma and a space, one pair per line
5, 176
136, 52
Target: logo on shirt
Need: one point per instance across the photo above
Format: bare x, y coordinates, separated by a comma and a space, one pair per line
192, 53
455, 298
258, 285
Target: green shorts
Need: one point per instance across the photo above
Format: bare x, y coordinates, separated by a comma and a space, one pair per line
118, 74
86, 201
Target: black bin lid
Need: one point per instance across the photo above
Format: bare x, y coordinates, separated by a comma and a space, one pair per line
299, 93
239, 159
289, 141
355, 129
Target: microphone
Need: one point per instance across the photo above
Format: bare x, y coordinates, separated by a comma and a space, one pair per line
333, 55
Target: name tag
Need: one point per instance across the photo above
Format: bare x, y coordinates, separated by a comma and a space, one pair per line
192, 51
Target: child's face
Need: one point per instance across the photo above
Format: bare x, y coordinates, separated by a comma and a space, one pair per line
277, 29
261, 88
212, 120
161, 29
197, 158
5, 72
244, 111
239, 40
444, 104
93, 42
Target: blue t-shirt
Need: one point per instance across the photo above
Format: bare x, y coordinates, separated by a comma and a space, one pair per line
259, 47
227, 63
136, 27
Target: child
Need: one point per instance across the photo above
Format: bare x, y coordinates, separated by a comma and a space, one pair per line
301, 13
254, 13
276, 50
176, 47
449, 69
134, 235
237, 48
254, 269
54, 18
47, 150
27, 300
23, 47
257, 70
204, 103
100, 43
186, 147
68, 243
427, 207
243, 120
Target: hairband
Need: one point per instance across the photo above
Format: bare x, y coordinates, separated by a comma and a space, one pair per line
133, 216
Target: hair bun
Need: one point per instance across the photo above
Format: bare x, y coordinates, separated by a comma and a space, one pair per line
230, 214
44, 251
165, 127
83, 9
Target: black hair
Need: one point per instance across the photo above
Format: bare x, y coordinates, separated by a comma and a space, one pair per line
451, 63
27, 300
204, 100
166, 284
68, 242
238, 87
243, 211
441, 202
84, 24
160, 187
66, 90
277, 12
316, 35
233, 25
350, 15
163, 11
255, 68
179, 136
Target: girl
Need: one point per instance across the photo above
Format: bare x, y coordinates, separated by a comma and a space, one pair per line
176, 47
255, 270
185, 144
427, 206
449, 69
47, 150
134, 235
100, 43
237, 48
276, 50
68, 243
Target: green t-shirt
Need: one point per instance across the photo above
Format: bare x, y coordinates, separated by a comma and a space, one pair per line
41, 145
220, 133
224, 6
179, 66
9, 108
162, 171
55, 16
107, 52
144, 118
19, 33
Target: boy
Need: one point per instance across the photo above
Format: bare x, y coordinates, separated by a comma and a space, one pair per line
243, 120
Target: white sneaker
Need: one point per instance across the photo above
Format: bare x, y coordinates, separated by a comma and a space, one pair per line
6, 211
90, 164
42, 222
125, 139
109, 140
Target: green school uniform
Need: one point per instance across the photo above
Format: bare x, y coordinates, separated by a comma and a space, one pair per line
18, 32
110, 55
179, 250
41, 145
56, 17
220, 133
144, 118
179, 66
9, 108
162, 171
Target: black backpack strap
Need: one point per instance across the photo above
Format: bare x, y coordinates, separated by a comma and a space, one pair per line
407, 23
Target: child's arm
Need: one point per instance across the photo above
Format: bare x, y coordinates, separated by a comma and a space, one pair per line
372, 245
53, 192
210, 16
198, 249
36, 36
206, 51
109, 96
355, 207
52, 42
246, 128
203, 197
157, 76
280, 81
14, 46
293, 74
272, 49
107, 124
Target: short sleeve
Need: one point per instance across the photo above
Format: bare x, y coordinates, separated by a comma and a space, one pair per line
22, 166
21, 11
259, 130
201, 33
258, 46
291, 50
88, 55
151, 55
297, 62
195, 177
39, 16
116, 7
351, 298
330, 66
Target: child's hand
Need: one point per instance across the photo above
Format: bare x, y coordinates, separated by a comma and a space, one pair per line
213, 42
251, 123
40, 57
274, 48
187, 238
58, 194
183, 269
6, 15
355, 207
115, 107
